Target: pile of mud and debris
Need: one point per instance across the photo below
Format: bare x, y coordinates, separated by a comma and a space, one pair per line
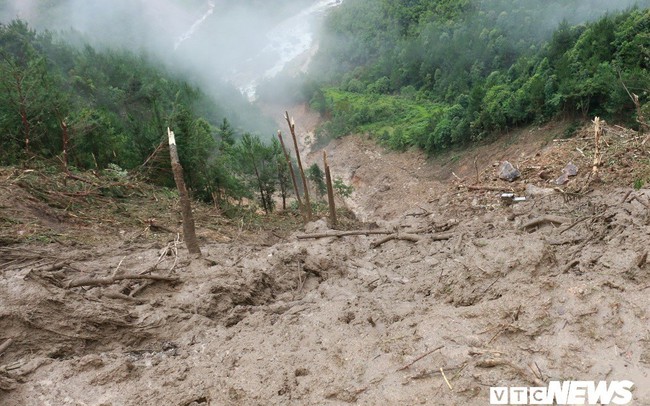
445, 289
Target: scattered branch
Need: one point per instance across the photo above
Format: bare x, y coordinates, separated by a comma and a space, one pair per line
109, 280
545, 219
396, 236
343, 233
420, 357
492, 188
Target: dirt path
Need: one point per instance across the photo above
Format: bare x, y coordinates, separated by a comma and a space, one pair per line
480, 297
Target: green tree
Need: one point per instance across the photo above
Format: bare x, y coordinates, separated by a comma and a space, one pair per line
317, 176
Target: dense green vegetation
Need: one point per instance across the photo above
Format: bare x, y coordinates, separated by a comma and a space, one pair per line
80, 108
432, 73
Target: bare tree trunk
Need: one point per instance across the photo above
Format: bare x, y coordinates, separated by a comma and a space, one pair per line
330, 191
292, 127
293, 174
598, 131
259, 183
66, 139
189, 233
643, 124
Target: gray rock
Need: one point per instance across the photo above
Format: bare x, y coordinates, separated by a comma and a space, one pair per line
570, 169
508, 172
564, 178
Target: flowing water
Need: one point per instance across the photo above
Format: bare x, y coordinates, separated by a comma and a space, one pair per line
187, 35
276, 47
286, 42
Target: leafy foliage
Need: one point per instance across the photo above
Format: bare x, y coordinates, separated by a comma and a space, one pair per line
317, 176
112, 108
341, 188
436, 73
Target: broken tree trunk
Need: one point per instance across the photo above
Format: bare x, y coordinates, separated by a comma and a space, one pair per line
293, 174
189, 233
292, 128
66, 139
598, 132
330, 191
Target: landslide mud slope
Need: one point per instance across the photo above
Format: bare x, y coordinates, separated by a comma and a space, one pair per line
488, 294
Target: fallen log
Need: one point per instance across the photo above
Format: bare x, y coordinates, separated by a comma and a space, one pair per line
494, 188
396, 236
109, 280
343, 233
545, 219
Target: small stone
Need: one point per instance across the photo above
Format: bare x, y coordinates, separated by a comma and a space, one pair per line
564, 178
570, 169
508, 172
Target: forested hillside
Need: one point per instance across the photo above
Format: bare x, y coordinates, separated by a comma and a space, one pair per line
440, 73
80, 108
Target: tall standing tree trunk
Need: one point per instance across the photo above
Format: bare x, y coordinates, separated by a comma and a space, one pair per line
330, 191
598, 132
259, 183
66, 140
293, 174
292, 127
189, 233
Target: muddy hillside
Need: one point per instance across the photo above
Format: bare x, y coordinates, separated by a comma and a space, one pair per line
450, 280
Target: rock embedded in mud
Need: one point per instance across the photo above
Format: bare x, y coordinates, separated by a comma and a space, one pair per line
508, 172
570, 169
564, 178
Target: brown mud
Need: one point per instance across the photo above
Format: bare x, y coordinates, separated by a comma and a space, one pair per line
556, 287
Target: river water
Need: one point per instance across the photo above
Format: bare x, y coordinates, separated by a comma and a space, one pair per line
285, 42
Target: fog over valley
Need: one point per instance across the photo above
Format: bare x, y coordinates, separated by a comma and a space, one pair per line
238, 42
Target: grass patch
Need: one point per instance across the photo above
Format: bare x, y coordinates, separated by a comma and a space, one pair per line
396, 121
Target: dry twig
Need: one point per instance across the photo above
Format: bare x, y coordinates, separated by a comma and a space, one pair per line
420, 357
